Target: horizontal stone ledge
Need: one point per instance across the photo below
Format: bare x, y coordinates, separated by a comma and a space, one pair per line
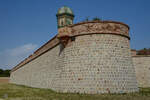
94, 27
141, 56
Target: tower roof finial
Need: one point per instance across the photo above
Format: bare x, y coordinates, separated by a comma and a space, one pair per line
65, 10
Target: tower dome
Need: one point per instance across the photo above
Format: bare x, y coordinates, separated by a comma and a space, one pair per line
65, 10
64, 16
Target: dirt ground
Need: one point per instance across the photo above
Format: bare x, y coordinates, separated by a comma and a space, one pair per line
4, 79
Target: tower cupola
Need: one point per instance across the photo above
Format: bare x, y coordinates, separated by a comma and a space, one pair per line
65, 16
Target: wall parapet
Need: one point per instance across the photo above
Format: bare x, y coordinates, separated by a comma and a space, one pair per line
95, 27
107, 21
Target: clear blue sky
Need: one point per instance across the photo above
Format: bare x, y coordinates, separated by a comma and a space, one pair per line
28, 24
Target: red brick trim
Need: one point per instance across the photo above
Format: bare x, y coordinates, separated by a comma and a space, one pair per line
100, 22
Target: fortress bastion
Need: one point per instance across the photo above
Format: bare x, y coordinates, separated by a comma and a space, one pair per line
89, 57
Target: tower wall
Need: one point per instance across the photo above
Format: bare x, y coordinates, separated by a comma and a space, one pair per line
98, 63
98, 60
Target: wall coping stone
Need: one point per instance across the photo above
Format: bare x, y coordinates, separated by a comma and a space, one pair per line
107, 21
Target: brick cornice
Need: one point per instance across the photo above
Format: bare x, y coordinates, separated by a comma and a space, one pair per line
107, 21
95, 27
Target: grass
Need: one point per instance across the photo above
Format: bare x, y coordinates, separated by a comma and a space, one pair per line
17, 92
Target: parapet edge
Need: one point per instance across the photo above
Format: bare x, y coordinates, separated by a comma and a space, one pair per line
106, 21
95, 27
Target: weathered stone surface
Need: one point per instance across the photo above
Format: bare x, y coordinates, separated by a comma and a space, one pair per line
47, 46
90, 63
41, 72
142, 68
133, 52
98, 63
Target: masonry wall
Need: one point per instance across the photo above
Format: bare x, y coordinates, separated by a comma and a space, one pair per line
40, 72
98, 63
97, 60
142, 67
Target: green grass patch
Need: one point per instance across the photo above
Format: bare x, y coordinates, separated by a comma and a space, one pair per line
19, 92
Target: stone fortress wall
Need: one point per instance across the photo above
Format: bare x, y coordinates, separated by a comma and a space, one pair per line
142, 68
89, 57
38, 73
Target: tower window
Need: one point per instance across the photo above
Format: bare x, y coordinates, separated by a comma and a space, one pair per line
62, 23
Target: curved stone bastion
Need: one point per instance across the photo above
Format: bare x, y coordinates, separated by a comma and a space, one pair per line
89, 57
97, 58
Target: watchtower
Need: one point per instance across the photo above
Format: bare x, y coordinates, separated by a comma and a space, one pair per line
64, 16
